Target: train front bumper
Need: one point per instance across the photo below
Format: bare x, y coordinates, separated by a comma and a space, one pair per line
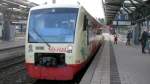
53, 73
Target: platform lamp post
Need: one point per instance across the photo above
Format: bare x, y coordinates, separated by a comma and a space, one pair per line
146, 20
147, 23
6, 25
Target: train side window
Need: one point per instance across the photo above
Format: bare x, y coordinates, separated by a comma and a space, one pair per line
89, 24
88, 41
85, 23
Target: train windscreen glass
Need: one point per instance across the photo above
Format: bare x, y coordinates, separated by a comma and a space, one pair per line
54, 25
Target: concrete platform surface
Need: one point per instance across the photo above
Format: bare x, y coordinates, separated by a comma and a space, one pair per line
133, 66
10, 44
119, 64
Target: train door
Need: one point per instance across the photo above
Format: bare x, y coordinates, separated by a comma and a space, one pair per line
87, 27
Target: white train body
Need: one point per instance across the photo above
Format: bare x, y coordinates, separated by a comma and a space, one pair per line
60, 41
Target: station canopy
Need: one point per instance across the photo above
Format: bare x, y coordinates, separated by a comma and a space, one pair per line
17, 9
111, 7
114, 7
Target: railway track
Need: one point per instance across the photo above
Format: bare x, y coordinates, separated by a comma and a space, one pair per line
11, 64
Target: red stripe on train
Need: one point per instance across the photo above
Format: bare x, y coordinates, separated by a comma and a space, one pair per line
51, 73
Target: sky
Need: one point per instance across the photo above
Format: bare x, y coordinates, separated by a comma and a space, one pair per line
94, 7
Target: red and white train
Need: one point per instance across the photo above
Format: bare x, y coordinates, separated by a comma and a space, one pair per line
60, 41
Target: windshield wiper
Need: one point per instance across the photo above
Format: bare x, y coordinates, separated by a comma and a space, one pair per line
41, 38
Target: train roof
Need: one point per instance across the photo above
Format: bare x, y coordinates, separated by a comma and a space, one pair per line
56, 6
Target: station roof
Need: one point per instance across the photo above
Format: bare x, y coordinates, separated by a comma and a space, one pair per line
114, 7
131, 5
16, 3
17, 8
111, 7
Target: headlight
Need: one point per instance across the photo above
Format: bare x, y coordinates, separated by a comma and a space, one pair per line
69, 49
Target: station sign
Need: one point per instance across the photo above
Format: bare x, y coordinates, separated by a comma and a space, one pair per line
123, 23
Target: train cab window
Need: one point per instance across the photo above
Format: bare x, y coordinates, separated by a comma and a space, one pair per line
52, 25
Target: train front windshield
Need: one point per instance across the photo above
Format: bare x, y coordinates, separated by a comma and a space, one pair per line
54, 25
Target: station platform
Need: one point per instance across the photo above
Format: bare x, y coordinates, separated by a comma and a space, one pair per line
133, 66
18, 42
11, 49
118, 64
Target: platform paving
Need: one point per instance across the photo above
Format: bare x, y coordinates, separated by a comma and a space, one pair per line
119, 64
10, 44
102, 71
133, 66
